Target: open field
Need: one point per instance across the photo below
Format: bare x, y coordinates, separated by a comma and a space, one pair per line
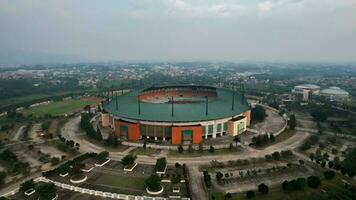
59, 108
116, 181
330, 189
29, 98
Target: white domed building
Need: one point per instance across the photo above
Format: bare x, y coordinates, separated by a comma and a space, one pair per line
335, 94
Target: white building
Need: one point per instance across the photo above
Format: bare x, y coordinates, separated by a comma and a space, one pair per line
335, 94
304, 92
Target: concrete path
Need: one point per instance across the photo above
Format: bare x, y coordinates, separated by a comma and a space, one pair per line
196, 184
18, 133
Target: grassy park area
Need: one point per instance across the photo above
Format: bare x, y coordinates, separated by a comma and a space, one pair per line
128, 182
59, 108
330, 189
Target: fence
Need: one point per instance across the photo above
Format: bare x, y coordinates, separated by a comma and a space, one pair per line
91, 192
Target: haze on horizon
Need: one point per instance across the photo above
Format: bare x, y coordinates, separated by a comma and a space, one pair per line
35, 31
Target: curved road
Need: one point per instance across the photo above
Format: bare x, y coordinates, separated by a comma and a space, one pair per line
71, 131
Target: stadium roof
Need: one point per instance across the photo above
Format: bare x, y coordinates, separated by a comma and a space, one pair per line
307, 86
220, 107
334, 91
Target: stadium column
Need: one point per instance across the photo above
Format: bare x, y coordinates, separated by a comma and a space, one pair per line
117, 128
247, 114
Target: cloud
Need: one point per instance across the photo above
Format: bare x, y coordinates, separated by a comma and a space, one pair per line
182, 29
265, 6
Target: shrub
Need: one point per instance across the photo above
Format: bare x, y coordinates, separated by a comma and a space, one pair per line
286, 186
228, 196
54, 160
329, 174
153, 182
258, 113
207, 178
180, 149
47, 191
263, 188
128, 160
2, 178
276, 155
211, 149
219, 176
314, 181
175, 179
27, 185
292, 122
250, 194
161, 164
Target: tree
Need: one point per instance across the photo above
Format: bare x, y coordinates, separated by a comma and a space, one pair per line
301, 162
292, 122
177, 165
314, 181
30, 184
319, 114
276, 155
128, 160
272, 138
87, 109
47, 191
329, 174
237, 139
250, 194
153, 183
190, 148
231, 147
312, 157
54, 160
161, 164
258, 113
111, 140
350, 172
180, 149
144, 144
228, 196
207, 178
219, 176
175, 179
200, 147
263, 188
2, 178
99, 136
286, 186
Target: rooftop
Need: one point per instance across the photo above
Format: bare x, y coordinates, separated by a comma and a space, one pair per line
220, 107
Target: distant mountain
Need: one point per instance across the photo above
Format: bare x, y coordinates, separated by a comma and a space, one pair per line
18, 57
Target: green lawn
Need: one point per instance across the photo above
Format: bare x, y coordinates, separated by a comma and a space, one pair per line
196, 153
334, 190
142, 151
58, 108
22, 99
137, 183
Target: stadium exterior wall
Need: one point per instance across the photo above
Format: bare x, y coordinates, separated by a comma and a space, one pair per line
200, 130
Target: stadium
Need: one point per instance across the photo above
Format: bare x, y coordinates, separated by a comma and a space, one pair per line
177, 114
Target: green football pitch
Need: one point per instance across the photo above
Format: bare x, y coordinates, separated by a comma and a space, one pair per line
59, 108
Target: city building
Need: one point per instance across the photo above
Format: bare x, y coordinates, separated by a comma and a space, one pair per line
178, 114
304, 92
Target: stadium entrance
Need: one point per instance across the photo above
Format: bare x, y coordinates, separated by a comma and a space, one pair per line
187, 137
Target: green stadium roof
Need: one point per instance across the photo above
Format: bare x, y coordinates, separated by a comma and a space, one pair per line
218, 108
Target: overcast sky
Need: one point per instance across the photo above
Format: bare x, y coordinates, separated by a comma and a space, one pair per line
177, 30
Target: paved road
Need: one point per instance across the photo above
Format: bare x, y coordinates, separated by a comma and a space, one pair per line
196, 183
18, 133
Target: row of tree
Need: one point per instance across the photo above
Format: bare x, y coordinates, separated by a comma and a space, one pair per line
88, 128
